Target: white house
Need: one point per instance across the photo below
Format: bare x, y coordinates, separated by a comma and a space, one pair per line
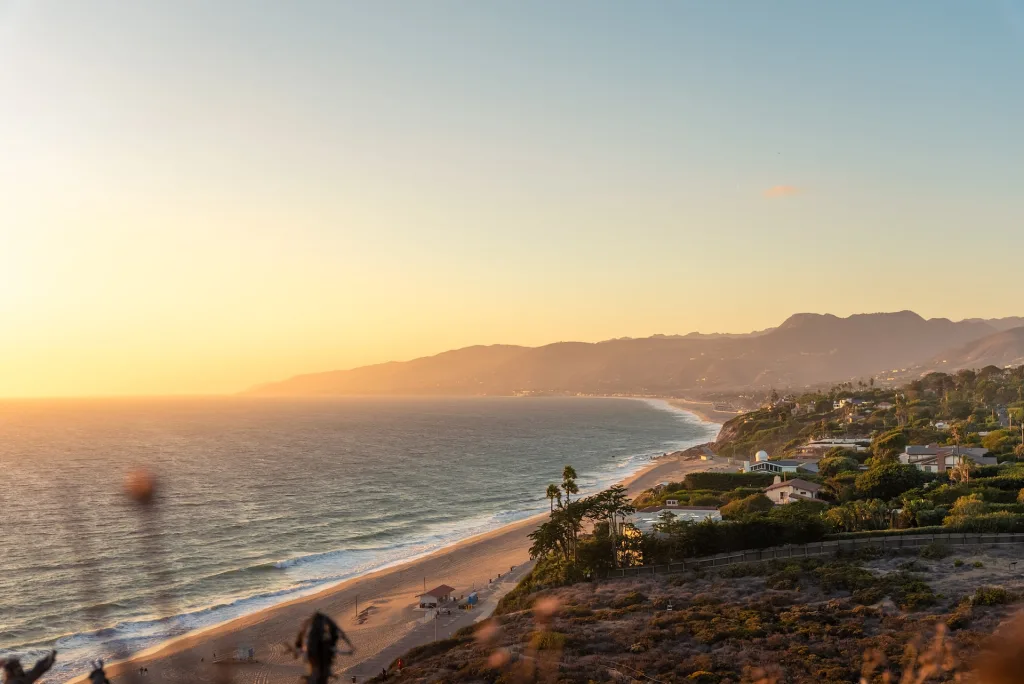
439, 594
783, 466
934, 458
788, 491
645, 518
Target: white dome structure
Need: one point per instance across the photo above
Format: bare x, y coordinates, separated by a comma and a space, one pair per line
761, 456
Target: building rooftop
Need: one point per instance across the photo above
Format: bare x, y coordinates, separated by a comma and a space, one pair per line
439, 591
796, 482
656, 509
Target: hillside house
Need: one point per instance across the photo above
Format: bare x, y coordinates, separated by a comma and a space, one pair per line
788, 491
781, 466
933, 458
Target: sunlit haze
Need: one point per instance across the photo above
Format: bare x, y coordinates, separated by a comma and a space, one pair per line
196, 197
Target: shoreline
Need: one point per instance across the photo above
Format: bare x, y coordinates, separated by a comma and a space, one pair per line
385, 596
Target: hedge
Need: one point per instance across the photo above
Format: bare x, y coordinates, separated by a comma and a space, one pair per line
724, 482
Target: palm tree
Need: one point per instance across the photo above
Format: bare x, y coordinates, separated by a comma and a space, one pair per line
902, 413
554, 493
569, 482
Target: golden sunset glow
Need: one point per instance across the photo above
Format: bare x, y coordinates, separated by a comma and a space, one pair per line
182, 211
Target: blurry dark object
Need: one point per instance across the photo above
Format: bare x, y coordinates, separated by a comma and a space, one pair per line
14, 673
321, 635
98, 676
140, 486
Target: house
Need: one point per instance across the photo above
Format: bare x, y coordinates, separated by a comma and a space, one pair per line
645, 518
788, 491
817, 447
439, 594
934, 458
783, 466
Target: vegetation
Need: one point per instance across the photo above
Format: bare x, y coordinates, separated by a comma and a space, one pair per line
820, 621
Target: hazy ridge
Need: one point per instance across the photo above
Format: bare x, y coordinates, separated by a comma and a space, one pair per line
805, 349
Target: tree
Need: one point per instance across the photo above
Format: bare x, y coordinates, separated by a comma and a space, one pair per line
554, 493
750, 505
569, 482
833, 465
902, 410
888, 480
961, 472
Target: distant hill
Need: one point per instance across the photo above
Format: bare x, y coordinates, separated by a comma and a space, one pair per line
1004, 348
806, 349
1007, 323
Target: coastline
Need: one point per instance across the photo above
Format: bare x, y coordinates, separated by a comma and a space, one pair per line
705, 410
389, 594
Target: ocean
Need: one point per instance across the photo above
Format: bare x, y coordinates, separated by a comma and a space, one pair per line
262, 500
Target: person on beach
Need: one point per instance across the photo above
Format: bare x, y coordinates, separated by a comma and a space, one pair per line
14, 673
321, 635
98, 676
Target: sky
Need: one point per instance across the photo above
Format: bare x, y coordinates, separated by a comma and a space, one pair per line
197, 197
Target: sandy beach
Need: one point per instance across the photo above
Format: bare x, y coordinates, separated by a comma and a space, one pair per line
705, 409
390, 594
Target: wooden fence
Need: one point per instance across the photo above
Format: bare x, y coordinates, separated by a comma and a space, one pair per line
822, 548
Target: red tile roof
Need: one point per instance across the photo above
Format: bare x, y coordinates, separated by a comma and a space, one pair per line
439, 591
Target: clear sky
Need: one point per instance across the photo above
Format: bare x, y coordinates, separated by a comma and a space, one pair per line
199, 196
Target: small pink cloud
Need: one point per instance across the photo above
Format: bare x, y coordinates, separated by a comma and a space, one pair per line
782, 191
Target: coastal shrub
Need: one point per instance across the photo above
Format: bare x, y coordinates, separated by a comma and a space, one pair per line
977, 564
1001, 521
750, 505
433, 648
930, 517
909, 592
631, 599
958, 562
868, 595
934, 551
831, 466
548, 641
992, 596
740, 493
724, 482
1013, 481
705, 500
549, 571
888, 480
912, 531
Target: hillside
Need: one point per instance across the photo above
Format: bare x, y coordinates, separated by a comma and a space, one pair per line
1005, 348
806, 349
819, 621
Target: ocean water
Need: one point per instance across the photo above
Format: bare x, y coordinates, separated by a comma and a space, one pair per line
261, 500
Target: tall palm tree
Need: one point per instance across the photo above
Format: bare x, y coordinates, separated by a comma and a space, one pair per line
554, 493
569, 482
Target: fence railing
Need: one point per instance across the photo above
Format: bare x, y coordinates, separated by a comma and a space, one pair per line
822, 548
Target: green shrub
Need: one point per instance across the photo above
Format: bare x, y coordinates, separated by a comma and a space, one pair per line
755, 503
992, 596
724, 482
548, 641
1000, 521
868, 595
934, 551
977, 564
957, 563
631, 599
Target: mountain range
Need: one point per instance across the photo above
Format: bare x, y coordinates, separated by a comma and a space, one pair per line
806, 349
